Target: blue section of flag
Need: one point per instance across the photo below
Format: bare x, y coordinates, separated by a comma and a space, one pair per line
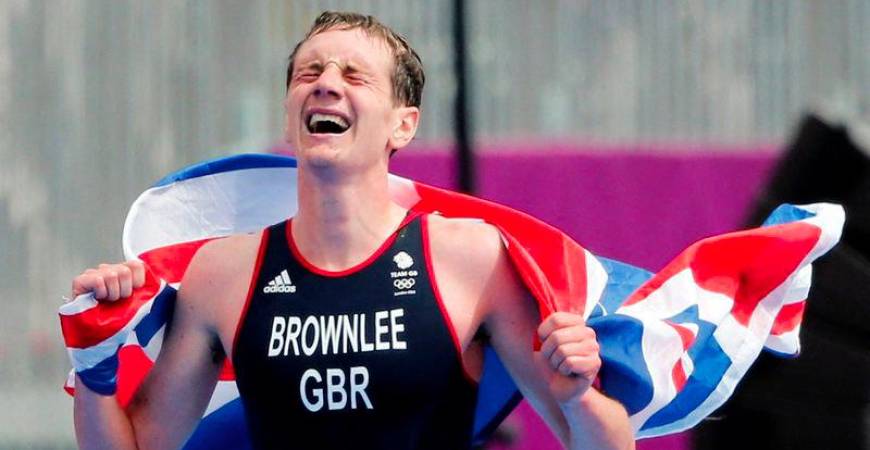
623, 371
710, 364
622, 280
228, 164
225, 428
786, 213
781, 354
102, 378
496, 397
160, 314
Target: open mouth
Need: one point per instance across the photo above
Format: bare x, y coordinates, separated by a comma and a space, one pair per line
319, 123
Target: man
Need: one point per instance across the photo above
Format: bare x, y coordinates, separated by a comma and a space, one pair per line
304, 361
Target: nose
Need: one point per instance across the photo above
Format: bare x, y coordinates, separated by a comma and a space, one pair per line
329, 82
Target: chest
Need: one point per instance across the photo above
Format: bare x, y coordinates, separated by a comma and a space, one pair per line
376, 335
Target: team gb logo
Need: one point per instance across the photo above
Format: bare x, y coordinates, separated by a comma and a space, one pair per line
403, 260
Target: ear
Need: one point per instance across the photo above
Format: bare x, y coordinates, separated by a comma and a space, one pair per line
407, 118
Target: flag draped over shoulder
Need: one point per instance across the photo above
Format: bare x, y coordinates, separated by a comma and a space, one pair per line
673, 344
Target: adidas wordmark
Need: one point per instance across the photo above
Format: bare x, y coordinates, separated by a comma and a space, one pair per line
280, 285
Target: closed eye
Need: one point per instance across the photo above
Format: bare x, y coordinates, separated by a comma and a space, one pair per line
354, 75
355, 78
307, 76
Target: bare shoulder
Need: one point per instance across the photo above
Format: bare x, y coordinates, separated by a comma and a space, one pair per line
465, 243
222, 257
220, 260
471, 262
217, 278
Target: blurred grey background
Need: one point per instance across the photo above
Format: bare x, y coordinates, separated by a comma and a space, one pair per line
98, 99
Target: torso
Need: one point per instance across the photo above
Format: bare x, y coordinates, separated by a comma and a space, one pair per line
411, 401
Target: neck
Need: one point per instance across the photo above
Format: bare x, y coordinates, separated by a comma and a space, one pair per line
342, 220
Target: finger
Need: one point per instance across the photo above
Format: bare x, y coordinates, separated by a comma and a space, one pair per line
558, 320
584, 366
125, 281
98, 287
90, 281
566, 335
564, 351
138, 269
80, 285
560, 337
113, 288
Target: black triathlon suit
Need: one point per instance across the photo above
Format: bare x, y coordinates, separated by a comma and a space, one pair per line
364, 358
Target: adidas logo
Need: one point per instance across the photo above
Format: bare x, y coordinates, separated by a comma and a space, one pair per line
280, 285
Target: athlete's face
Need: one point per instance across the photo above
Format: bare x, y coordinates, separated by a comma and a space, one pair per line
340, 108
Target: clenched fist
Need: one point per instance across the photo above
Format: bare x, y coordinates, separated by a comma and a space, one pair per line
569, 355
94, 333
110, 282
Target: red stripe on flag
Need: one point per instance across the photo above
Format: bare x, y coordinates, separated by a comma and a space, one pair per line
228, 372
789, 318
101, 322
745, 265
170, 262
552, 266
678, 375
757, 264
134, 365
686, 334
687, 337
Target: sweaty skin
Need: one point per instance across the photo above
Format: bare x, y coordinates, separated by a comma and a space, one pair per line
344, 214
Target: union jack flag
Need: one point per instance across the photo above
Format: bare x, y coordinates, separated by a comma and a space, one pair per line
674, 344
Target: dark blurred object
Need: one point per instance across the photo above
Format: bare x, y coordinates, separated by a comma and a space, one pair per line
821, 399
823, 164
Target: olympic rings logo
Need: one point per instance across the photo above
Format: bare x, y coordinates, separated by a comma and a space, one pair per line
404, 283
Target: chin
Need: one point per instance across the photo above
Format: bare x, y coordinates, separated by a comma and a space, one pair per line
321, 155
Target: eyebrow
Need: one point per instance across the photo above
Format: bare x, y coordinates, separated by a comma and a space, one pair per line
311, 65
353, 65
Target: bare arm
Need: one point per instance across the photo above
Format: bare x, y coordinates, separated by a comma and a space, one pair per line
171, 400
167, 406
557, 380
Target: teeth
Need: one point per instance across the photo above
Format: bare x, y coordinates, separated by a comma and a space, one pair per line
317, 117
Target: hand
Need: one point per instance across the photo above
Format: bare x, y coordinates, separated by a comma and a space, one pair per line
110, 282
569, 355
93, 335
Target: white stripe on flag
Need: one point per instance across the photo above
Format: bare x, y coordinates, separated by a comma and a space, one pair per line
742, 345
202, 207
676, 295
662, 348
224, 392
85, 358
829, 218
79, 304
154, 346
596, 281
